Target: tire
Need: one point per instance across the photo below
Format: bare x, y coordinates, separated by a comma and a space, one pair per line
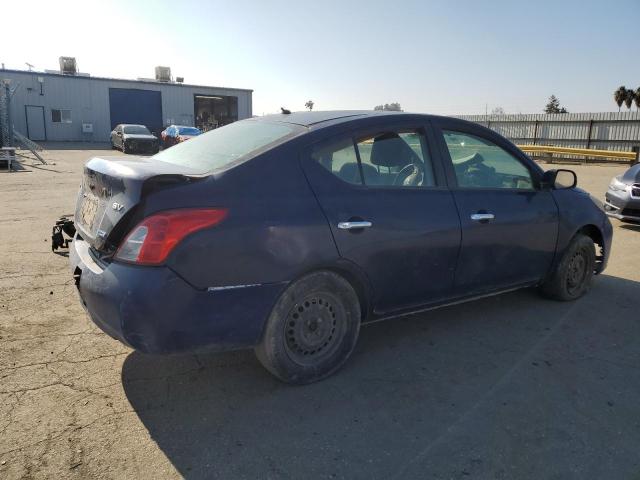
312, 329
573, 275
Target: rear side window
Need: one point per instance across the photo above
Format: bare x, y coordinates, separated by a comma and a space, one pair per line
222, 146
390, 159
340, 159
480, 163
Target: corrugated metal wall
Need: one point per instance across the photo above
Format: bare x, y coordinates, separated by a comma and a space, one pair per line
604, 130
88, 100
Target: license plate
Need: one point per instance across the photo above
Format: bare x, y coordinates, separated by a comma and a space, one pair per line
89, 210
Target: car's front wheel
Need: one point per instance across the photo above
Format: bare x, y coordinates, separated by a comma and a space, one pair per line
573, 274
312, 329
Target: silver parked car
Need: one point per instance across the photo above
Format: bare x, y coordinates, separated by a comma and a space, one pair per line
622, 200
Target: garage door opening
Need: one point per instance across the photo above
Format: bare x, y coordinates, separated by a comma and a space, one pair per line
140, 107
214, 111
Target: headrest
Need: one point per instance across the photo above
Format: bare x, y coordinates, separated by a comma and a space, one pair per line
389, 150
349, 172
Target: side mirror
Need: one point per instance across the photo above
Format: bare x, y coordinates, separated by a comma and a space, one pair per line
119, 134
560, 179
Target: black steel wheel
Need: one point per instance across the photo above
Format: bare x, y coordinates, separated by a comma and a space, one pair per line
312, 330
572, 277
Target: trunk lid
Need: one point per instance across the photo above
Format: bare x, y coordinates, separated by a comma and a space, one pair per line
112, 187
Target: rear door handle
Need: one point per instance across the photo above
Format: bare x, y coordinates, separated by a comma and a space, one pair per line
354, 225
482, 217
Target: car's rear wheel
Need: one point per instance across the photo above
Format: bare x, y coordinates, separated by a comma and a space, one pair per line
312, 329
573, 275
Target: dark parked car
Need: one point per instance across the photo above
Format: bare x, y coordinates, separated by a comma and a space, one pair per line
174, 134
286, 232
134, 139
622, 200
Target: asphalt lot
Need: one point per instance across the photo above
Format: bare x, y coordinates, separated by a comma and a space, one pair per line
512, 386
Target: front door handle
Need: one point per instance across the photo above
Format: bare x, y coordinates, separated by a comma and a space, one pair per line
482, 217
354, 225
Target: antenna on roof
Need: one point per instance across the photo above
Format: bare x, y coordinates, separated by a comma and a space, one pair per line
285, 111
29, 65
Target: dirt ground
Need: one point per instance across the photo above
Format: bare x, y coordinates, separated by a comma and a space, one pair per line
513, 386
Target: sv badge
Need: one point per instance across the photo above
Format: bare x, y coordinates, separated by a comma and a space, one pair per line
117, 206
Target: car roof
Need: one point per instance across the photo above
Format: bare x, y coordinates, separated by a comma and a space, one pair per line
332, 117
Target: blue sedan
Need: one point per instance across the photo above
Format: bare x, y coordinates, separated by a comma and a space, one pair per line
287, 232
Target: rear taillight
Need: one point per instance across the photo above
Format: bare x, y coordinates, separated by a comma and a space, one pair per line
153, 239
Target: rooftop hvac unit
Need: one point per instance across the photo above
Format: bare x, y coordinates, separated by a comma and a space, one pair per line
68, 65
179, 79
163, 74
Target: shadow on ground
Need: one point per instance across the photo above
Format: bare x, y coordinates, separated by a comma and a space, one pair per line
513, 386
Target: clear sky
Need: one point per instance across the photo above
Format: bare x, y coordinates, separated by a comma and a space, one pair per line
447, 57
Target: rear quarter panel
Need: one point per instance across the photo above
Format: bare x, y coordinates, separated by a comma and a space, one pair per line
273, 232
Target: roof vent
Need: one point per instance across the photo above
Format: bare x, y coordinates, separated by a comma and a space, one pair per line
179, 79
163, 74
68, 65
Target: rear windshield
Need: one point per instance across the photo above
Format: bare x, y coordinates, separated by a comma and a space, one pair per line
188, 131
218, 148
137, 130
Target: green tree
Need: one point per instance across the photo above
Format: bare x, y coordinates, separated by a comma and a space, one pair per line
629, 96
309, 105
553, 106
637, 98
619, 96
389, 107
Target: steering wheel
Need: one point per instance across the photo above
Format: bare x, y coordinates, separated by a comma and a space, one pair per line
474, 160
405, 172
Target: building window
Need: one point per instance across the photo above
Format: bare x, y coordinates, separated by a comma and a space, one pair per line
60, 116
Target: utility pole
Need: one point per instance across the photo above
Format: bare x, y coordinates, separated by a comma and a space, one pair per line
7, 97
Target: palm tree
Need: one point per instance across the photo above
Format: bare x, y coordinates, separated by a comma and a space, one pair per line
619, 96
629, 96
309, 105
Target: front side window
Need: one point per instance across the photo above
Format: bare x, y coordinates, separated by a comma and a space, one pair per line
479, 163
60, 116
390, 159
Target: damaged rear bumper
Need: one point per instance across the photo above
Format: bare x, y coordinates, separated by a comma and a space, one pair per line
154, 310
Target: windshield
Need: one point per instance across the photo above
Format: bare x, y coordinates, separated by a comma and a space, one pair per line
222, 146
188, 131
136, 130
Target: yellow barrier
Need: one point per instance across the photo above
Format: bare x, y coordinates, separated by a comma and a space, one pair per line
587, 152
